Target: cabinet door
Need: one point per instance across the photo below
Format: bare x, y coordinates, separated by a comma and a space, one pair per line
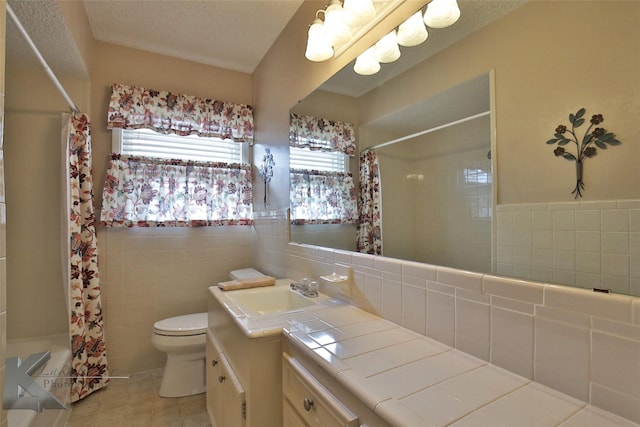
290, 417
315, 404
214, 387
233, 399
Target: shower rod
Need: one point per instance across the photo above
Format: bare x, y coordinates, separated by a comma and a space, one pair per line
35, 50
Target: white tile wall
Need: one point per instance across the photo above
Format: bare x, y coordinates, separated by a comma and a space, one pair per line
583, 244
149, 274
576, 341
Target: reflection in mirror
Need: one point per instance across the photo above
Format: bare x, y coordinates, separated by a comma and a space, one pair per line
436, 182
436, 179
537, 233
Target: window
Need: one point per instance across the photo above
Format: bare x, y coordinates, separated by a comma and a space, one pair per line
148, 143
303, 158
156, 179
321, 188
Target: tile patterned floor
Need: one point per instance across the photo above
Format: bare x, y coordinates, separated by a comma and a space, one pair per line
135, 402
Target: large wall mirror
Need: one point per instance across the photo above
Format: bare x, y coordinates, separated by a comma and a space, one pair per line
437, 147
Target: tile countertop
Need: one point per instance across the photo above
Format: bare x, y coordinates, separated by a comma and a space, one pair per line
409, 379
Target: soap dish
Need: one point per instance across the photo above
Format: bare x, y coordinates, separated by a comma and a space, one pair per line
335, 278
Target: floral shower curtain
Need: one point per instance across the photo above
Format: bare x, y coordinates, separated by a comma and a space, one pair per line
369, 230
89, 360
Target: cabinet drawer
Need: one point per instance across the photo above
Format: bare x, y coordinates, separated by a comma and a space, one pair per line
315, 404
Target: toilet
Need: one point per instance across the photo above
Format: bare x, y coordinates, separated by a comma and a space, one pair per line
183, 338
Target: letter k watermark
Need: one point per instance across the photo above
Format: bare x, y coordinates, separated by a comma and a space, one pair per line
18, 380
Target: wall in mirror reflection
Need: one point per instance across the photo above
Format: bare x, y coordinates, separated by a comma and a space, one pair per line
540, 231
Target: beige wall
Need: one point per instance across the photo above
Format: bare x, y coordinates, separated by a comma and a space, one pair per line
33, 111
146, 275
549, 61
116, 64
284, 77
152, 274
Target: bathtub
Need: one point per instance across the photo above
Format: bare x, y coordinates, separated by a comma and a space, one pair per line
53, 377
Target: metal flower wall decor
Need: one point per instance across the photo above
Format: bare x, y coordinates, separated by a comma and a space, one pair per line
585, 146
266, 170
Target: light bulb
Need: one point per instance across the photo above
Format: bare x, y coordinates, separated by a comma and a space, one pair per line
358, 12
412, 32
441, 13
337, 30
386, 49
366, 64
318, 49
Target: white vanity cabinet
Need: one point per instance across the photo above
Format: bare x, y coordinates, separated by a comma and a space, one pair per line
307, 403
225, 395
250, 365
333, 405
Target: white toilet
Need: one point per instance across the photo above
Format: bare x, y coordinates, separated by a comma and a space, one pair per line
183, 338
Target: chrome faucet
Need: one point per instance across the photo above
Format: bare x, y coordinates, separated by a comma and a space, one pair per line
308, 288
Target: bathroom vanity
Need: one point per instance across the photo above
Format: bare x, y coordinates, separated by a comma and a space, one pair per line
241, 379
326, 363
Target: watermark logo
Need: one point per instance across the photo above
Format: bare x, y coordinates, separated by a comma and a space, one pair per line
21, 391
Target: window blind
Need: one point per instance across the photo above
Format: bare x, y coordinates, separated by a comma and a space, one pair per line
303, 158
147, 143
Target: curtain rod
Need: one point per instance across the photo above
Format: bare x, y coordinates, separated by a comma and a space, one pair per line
424, 132
41, 59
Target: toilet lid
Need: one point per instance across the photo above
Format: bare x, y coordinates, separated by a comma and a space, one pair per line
188, 324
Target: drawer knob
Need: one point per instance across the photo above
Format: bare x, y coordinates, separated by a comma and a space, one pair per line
308, 404
214, 362
221, 378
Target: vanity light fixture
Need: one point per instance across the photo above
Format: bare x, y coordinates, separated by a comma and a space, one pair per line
342, 23
358, 12
318, 47
386, 49
366, 64
336, 29
441, 13
412, 32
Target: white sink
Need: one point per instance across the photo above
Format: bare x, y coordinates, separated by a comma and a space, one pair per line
269, 300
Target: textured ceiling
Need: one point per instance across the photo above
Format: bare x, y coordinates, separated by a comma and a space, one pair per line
228, 34
47, 28
232, 34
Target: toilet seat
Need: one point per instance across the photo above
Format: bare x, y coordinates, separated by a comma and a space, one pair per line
188, 324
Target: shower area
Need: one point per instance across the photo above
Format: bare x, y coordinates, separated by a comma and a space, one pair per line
437, 197
46, 292
436, 178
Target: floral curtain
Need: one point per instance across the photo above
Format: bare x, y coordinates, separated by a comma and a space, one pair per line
321, 134
322, 197
147, 192
369, 230
166, 112
89, 358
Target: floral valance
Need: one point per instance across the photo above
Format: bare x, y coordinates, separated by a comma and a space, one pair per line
321, 134
147, 192
322, 197
133, 107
